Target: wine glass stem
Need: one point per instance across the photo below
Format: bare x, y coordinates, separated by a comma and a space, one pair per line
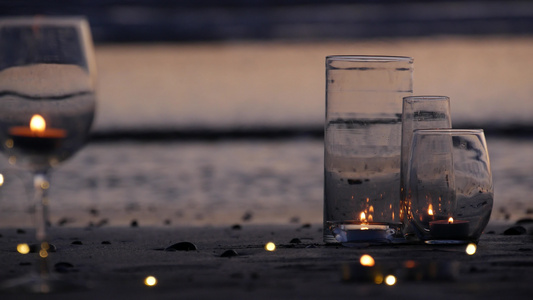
41, 185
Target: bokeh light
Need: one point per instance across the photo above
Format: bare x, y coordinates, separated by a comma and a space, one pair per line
150, 281
471, 249
270, 246
23, 248
390, 280
367, 260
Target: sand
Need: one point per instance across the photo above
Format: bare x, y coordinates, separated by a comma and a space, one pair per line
114, 261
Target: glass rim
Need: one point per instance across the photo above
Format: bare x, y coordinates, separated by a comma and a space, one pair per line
417, 98
447, 131
42, 20
370, 58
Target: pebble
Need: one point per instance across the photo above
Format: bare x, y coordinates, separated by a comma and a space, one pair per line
515, 230
21, 231
229, 253
236, 227
76, 243
247, 216
134, 223
63, 267
306, 225
182, 246
295, 241
106, 243
524, 221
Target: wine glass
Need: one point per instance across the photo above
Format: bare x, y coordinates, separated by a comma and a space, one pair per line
47, 103
450, 192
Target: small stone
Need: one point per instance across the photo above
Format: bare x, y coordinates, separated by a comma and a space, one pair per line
134, 223
106, 243
310, 246
21, 231
167, 222
229, 253
182, 246
102, 223
524, 221
294, 220
63, 221
515, 230
306, 225
76, 243
93, 211
295, 241
236, 227
525, 249
63, 267
247, 216
25, 263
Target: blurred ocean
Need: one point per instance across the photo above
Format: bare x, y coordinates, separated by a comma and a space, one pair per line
214, 115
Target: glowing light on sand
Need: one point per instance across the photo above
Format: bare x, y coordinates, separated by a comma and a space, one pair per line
471, 249
367, 260
23, 248
270, 246
378, 279
150, 281
390, 280
37, 124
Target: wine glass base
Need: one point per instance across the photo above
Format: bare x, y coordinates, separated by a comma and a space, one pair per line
34, 283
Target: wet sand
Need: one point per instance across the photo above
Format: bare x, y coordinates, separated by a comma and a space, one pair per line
114, 261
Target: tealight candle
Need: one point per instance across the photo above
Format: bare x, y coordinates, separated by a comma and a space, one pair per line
36, 137
449, 229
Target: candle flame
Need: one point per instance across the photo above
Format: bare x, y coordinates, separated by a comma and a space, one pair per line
450, 220
430, 210
362, 216
37, 124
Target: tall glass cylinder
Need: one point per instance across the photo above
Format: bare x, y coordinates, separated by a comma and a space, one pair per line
362, 146
419, 112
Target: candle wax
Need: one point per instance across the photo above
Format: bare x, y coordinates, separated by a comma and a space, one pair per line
444, 230
28, 140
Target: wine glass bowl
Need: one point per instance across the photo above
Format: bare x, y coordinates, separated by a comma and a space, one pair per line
450, 191
47, 104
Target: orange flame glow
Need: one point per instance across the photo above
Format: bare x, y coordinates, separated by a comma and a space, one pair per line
450, 220
430, 210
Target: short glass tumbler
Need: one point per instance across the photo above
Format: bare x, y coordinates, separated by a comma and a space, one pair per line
449, 190
362, 147
419, 112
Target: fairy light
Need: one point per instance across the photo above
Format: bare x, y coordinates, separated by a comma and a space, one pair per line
270, 246
367, 260
390, 280
150, 281
471, 249
23, 248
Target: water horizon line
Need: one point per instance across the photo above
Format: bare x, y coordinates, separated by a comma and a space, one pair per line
173, 134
